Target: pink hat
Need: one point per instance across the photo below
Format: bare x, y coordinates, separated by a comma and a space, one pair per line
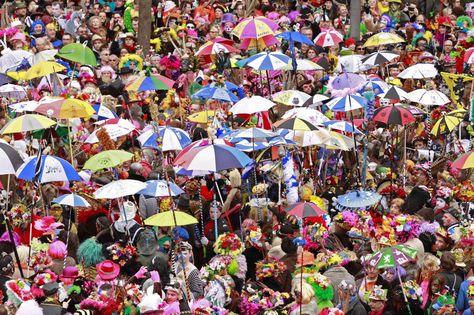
57, 249
19, 36
108, 270
70, 272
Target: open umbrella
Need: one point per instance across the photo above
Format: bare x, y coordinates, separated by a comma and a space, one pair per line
378, 58
72, 200
347, 103
119, 188
79, 53
303, 65
345, 83
159, 188
312, 115
216, 92
254, 27
359, 199
428, 97
47, 169
392, 257
316, 100
328, 37
341, 125
267, 61
42, 69
12, 91
214, 48
295, 37
464, 161
393, 115
419, 71
106, 159
251, 105
103, 112
168, 139
291, 97
253, 134
147, 83
352, 64
167, 219
306, 138
28, 122
11, 159
394, 93
304, 210
258, 43
446, 124
295, 124
203, 117
383, 38
113, 130
64, 108
337, 141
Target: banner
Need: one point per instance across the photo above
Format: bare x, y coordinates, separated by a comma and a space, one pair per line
455, 83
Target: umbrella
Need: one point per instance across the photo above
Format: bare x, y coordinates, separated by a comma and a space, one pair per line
464, 161
213, 157
346, 82
468, 55
159, 188
254, 27
119, 188
303, 65
428, 97
315, 100
28, 122
337, 141
352, 64
254, 134
64, 108
201, 117
267, 61
295, 37
201, 143
50, 169
383, 38
295, 124
393, 115
260, 43
168, 219
168, 139
394, 93
103, 112
106, 159
147, 83
216, 92
214, 48
378, 58
419, 71
10, 59
376, 84
392, 257
79, 53
114, 131
347, 103
45, 55
459, 113
291, 97
43, 69
328, 37
248, 146
72, 200
304, 210
307, 138
341, 125
445, 125
358, 199
251, 105
4, 79
12, 91
313, 116
185, 172
11, 159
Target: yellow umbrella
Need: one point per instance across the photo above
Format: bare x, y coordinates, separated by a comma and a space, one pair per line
43, 69
64, 108
18, 76
202, 117
383, 38
445, 125
27, 122
338, 141
166, 219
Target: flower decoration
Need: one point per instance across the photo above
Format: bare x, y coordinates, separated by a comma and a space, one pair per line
413, 290
464, 191
134, 294
331, 311
315, 230
45, 277
228, 244
211, 310
165, 204
213, 269
269, 267
40, 260
406, 227
255, 236
121, 255
47, 225
470, 289
19, 214
262, 301
19, 291
347, 219
323, 290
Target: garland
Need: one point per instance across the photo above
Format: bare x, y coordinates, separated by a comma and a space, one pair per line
289, 177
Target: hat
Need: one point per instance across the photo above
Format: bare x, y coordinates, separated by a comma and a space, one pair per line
96, 37
128, 212
259, 189
397, 1
378, 294
108, 270
50, 288
305, 259
70, 272
130, 35
124, 70
20, 5
89, 80
228, 17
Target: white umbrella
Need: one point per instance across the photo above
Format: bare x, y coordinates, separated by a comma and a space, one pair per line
45, 55
72, 200
26, 106
394, 93
251, 105
12, 58
291, 97
114, 131
428, 97
13, 91
378, 58
308, 138
352, 63
419, 71
303, 65
119, 188
313, 116
316, 100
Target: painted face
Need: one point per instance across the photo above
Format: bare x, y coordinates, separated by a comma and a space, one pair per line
171, 296
440, 203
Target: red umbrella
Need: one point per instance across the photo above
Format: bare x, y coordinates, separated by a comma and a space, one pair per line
393, 115
213, 48
304, 210
328, 37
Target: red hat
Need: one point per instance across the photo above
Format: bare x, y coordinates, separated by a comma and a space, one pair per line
108, 270
349, 41
89, 79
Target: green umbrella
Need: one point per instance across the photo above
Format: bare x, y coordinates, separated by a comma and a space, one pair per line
392, 257
78, 53
106, 159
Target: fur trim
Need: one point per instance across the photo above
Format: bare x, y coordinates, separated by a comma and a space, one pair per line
89, 253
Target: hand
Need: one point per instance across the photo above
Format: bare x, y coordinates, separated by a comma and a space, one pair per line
204, 241
141, 273
155, 276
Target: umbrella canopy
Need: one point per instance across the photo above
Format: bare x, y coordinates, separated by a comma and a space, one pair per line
378, 58
12, 91
11, 159
11, 59
267, 61
465, 161
103, 112
159, 188
303, 65
251, 105
307, 138
328, 37
393, 115
167, 219
383, 38
119, 188
313, 116
72, 200
352, 64
304, 210
47, 169
147, 83
295, 37
213, 157
291, 97
419, 71
42, 69
316, 100
459, 113
295, 124
394, 93
28, 122
113, 130
216, 92
346, 82
64, 108
255, 27
376, 84
79, 53
4, 79
337, 141
25, 106
255, 134
202, 117
201, 143
392, 257
260, 43
341, 125
168, 139
445, 125
428, 97
347, 103
213, 48
106, 159
358, 199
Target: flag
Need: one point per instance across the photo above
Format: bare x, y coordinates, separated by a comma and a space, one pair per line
455, 83
263, 121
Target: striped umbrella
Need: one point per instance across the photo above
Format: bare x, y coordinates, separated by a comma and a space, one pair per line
28, 122
103, 112
11, 159
378, 58
168, 139
341, 125
47, 169
260, 43
465, 161
216, 92
304, 210
159, 188
254, 134
337, 141
201, 143
428, 97
445, 125
255, 27
316, 100
267, 61
328, 37
72, 200
376, 84
295, 124
214, 48
147, 83
393, 115
394, 93
347, 103
64, 108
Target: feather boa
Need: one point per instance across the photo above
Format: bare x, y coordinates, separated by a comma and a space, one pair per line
289, 177
8, 32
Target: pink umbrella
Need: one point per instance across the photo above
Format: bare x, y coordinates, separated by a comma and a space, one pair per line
328, 37
263, 42
255, 27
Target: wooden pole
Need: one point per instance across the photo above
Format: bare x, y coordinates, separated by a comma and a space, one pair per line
144, 26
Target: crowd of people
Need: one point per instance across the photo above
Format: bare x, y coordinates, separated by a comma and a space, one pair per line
263, 209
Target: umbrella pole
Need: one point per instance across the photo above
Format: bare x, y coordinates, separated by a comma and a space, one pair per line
355, 143
169, 193
67, 236
301, 282
70, 141
269, 85
222, 201
403, 291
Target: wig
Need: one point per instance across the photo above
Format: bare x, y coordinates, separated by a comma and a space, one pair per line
90, 253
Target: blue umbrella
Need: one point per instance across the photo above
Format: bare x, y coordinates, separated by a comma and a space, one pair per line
217, 93
267, 61
358, 199
50, 169
159, 188
169, 139
254, 134
347, 103
247, 146
341, 125
4, 79
291, 38
103, 113
72, 200
184, 172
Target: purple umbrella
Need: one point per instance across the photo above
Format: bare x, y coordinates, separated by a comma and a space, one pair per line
346, 83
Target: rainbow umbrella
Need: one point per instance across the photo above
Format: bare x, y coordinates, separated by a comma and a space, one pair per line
465, 161
259, 43
147, 83
64, 108
255, 27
